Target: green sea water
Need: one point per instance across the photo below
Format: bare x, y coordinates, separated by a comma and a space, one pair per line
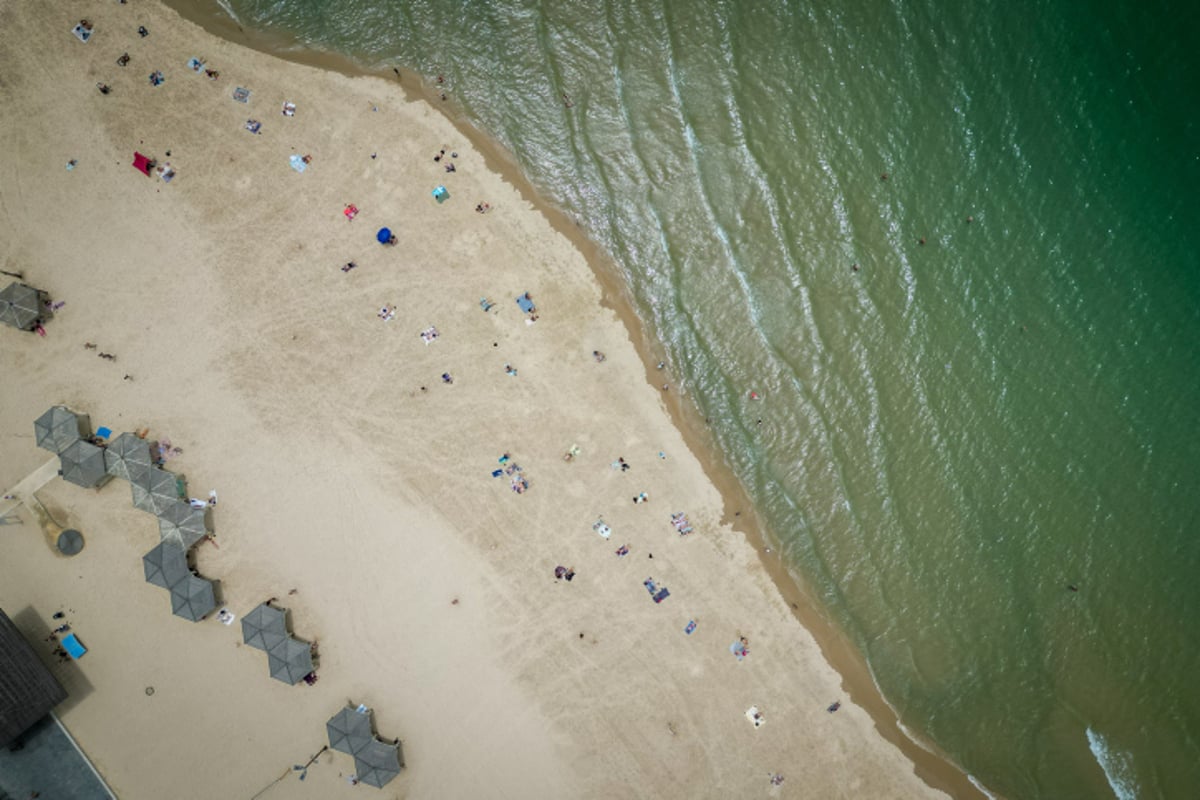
959, 430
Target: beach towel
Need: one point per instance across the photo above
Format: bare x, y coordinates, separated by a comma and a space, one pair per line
156, 78
195, 65
241, 95
82, 33
253, 125
755, 716
663, 594
602, 529
526, 303
142, 163
351, 211
297, 163
650, 586
289, 109
440, 194
691, 626
73, 646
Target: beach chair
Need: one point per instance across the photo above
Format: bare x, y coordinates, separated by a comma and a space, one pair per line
73, 646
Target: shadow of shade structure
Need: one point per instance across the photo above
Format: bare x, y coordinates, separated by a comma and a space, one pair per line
183, 524
128, 457
349, 730
290, 661
377, 763
21, 306
155, 491
70, 542
59, 427
265, 627
166, 565
83, 464
193, 598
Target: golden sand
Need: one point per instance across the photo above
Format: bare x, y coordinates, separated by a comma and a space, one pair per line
428, 583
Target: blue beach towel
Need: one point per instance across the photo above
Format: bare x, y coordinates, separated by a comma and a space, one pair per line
691, 626
73, 646
297, 163
663, 594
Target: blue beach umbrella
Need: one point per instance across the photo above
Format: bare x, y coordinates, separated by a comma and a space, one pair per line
384, 236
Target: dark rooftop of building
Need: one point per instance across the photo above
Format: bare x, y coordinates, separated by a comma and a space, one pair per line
28, 690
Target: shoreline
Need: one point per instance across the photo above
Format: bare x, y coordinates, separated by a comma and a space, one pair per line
929, 763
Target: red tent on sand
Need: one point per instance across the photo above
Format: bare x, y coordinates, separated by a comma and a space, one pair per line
142, 163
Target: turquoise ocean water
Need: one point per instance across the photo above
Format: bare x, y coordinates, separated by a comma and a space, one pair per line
958, 430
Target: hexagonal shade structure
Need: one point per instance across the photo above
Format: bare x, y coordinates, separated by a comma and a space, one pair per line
349, 730
377, 763
59, 427
21, 306
193, 598
290, 660
182, 524
155, 491
83, 464
166, 565
129, 457
265, 627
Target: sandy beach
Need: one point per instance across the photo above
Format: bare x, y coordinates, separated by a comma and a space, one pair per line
355, 483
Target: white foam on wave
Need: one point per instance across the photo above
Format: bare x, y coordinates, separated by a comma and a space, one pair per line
224, 4
980, 786
1117, 766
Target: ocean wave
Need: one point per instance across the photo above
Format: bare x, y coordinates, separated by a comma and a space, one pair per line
1117, 766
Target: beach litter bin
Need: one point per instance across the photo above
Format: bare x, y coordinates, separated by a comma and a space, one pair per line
440, 194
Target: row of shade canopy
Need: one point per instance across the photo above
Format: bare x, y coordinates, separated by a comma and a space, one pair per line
265, 628
155, 491
375, 762
288, 659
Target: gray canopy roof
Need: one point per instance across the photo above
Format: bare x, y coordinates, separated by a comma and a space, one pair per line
377, 763
166, 565
290, 660
192, 598
20, 306
128, 457
60, 426
155, 491
83, 464
264, 627
181, 523
349, 730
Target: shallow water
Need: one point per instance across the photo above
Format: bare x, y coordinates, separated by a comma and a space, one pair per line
958, 430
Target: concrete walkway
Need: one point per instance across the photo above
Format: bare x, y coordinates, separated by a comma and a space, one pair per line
51, 764
28, 485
